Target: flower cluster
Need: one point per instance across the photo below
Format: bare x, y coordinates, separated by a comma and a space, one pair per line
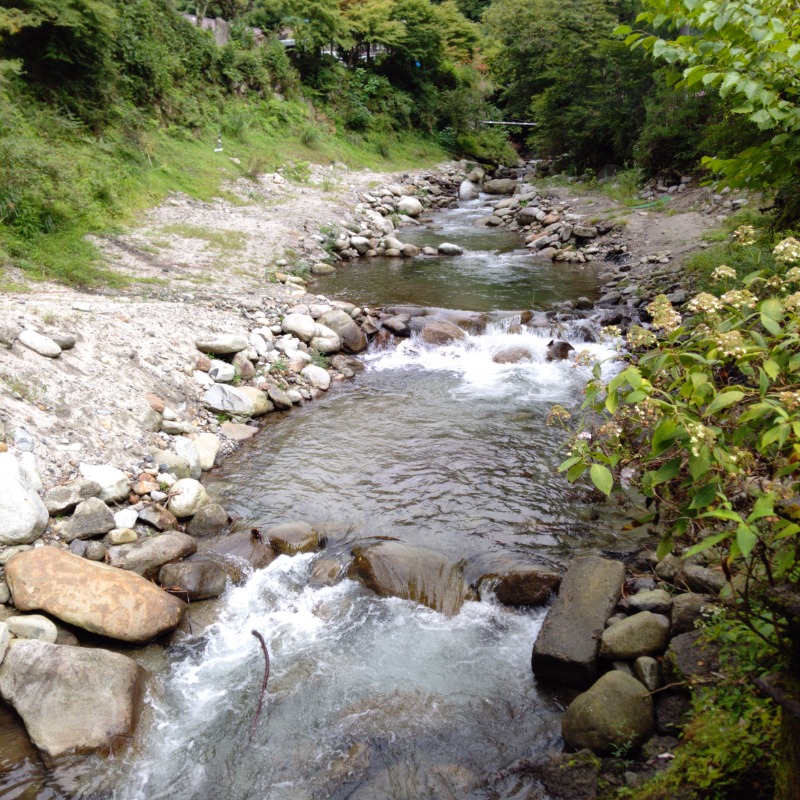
645, 413
610, 331
665, 317
640, 337
583, 358
699, 435
722, 272
745, 235
792, 302
790, 400
610, 431
705, 302
558, 414
739, 298
793, 275
730, 343
787, 251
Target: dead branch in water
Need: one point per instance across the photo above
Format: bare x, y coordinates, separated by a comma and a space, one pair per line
263, 685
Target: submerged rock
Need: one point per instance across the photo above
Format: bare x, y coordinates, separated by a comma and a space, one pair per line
558, 350
439, 332
524, 586
72, 699
292, 538
396, 569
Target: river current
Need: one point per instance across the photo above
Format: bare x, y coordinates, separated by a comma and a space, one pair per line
440, 447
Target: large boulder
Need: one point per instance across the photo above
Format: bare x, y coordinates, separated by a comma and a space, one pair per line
317, 376
566, 649
409, 206
222, 345
500, 186
325, 340
522, 586
92, 517
96, 597
209, 520
198, 578
439, 332
302, 326
23, 516
512, 355
72, 699
229, 400
292, 538
146, 556
617, 712
114, 483
61, 499
354, 340
187, 497
642, 634
468, 191
396, 569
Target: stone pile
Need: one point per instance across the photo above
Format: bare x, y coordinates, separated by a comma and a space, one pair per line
370, 229
634, 655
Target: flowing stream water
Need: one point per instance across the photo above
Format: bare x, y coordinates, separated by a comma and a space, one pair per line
440, 447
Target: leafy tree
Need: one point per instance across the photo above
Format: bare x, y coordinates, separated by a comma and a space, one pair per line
748, 51
370, 23
558, 65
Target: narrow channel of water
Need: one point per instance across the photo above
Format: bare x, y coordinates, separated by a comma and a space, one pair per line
441, 447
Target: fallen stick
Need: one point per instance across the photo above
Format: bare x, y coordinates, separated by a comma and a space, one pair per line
263, 685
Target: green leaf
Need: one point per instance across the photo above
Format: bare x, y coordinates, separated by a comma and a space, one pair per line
755, 411
722, 513
636, 397
723, 400
705, 496
666, 472
665, 546
794, 362
770, 325
772, 308
565, 465
575, 472
664, 435
601, 478
746, 538
763, 507
700, 464
772, 368
634, 377
707, 543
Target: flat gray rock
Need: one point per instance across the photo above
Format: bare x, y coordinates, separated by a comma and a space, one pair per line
39, 343
567, 647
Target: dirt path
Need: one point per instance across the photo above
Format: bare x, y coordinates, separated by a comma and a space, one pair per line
199, 269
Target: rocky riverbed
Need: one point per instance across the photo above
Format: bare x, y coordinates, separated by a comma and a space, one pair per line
114, 405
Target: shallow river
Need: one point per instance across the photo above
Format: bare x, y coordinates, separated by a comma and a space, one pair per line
439, 447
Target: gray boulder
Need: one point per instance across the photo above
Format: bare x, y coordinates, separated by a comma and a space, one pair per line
448, 249
500, 186
353, 339
409, 206
616, 712
62, 499
197, 578
146, 556
512, 355
23, 516
567, 647
521, 586
687, 609
440, 332
39, 343
92, 517
33, 626
224, 345
658, 601
72, 699
302, 326
187, 497
558, 350
228, 400
468, 191
642, 634
114, 483
210, 520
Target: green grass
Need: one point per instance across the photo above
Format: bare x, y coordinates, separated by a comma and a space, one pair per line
222, 240
60, 183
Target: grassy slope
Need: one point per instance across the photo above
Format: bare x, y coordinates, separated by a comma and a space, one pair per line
94, 185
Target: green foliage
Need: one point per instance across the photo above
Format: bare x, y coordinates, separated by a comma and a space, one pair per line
560, 68
704, 421
749, 53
